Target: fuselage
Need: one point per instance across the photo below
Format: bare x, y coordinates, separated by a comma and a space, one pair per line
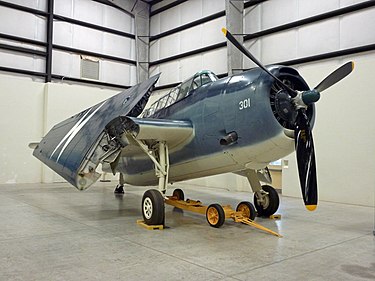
241, 104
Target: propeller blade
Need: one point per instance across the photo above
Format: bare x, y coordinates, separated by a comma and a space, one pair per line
335, 76
243, 50
306, 160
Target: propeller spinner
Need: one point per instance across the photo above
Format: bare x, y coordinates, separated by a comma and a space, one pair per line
303, 137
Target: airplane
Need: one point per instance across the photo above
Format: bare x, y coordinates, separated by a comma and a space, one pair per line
203, 127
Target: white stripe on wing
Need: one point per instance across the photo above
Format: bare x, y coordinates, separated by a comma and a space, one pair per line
74, 131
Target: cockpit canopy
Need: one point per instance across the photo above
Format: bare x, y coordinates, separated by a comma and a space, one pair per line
181, 91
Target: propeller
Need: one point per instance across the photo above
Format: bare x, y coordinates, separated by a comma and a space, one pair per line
305, 152
243, 50
303, 137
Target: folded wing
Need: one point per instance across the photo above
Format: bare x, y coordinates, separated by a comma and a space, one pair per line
74, 147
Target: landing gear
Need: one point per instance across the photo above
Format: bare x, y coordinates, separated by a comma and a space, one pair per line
266, 201
120, 187
153, 200
153, 207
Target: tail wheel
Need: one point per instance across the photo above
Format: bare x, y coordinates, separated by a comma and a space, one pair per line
215, 215
269, 202
247, 209
153, 207
179, 194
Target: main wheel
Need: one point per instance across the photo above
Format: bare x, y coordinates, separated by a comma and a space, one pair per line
215, 215
247, 209
270, 202
179, 194
153, 207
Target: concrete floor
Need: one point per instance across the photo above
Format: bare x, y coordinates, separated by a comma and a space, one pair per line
53, 232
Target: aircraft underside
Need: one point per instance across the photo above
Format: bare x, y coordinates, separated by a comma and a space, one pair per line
141, 172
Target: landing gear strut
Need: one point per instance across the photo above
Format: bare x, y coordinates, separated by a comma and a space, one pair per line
120, 187
266, 199
153, 200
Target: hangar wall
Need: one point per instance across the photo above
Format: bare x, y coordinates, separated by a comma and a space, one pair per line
169, 54
323, 32
21, 115
80, 37
80, 29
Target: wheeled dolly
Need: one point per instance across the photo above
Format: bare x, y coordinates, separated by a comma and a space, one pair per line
216, 214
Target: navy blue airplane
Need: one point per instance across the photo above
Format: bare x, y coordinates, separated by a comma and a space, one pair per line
205, 126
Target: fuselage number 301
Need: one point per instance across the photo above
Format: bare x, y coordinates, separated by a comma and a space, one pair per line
244, 104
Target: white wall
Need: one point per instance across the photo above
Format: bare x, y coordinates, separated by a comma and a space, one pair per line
344, 135
69, 35
79, 37
33, 27
197, 37
347, 31
21, 115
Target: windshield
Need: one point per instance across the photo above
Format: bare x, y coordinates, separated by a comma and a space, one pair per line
183, 90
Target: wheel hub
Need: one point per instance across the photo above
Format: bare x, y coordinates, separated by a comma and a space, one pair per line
213, 215
263, 199
245, 210
147, 208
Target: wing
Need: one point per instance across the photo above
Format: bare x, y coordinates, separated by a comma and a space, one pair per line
175, 133
138, 135
74, 147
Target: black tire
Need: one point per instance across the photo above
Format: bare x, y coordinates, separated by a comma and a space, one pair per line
153, 207
179, 194
247, 209
271, 203
215, 215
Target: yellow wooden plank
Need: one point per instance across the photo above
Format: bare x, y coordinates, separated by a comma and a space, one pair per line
275, 217
149, 227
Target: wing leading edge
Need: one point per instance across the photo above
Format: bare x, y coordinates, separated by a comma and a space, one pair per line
75, 147
139, 136
175, 132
